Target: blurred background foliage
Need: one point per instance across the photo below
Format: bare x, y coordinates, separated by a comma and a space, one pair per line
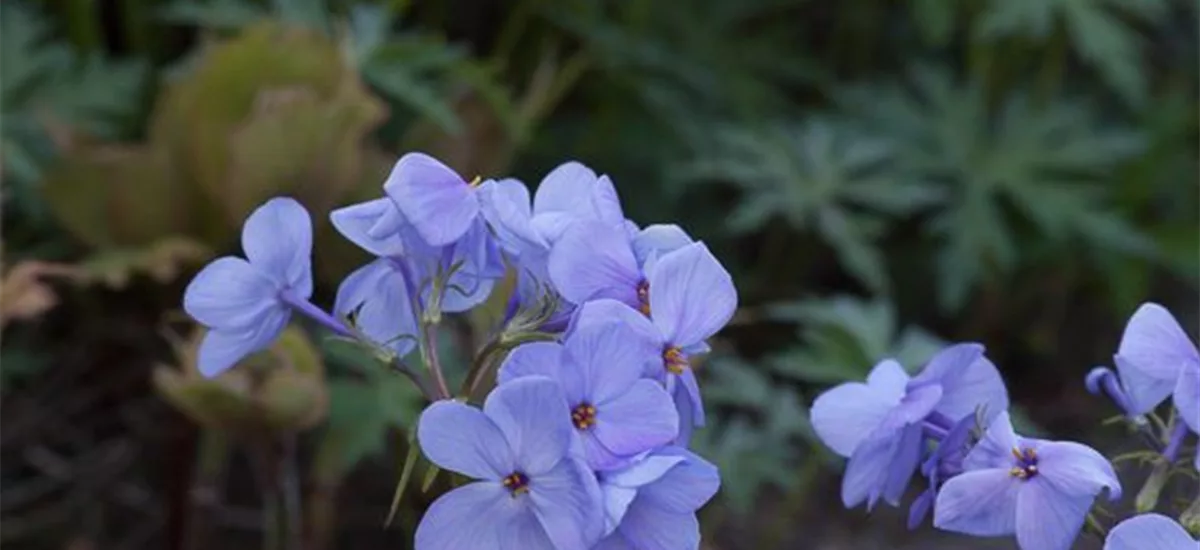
879, 176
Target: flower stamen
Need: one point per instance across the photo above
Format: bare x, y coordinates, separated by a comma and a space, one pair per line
517, 483
675, 361
643, 296
583, 416
1026, 463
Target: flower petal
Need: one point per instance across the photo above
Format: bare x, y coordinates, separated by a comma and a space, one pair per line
640, 419
1149, 532
384, 313
435, 199
568, 189
646, 527
1155, 344
1187, 397
659, 239
981, 503
686, 487
846, 414
1145, 392
460, 438
222, 349
647, 470
532, 359
978, 386
375, 226
691, 295
995, 449
948, 365
277, 239
592, 261
506, 207
606, 204
1076, 470
530, 412
688, 395
903, 465
481, 511
605, 311
609, 357
1048, 519
866, 473
567, 502
229, 293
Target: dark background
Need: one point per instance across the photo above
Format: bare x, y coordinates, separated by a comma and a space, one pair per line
879, 176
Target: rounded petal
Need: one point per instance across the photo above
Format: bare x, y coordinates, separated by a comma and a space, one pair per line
1048, 519
1145, 392
506, 207
688, 395
647, 470
867, 472
592, 261
978, 386
482, 511
889, 379
1187, 397
659, 239
691, 295
532, 359
606, 311
981, 503
222, 349
609, 357
532, 415
1076, 470
567, 189
379, 294
995, 449
905, 460
606, 204
568, 504
646, 527
846, 414
460, 438
277, 239
684, 488
229, 293
375, 226
1155, 344
434, 198
949, 365
1149, 532
641, 419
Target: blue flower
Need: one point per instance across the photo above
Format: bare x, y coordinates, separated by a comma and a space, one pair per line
881, 425
651, 505
616, 413
439, 203
246, 303
943, 463
531, 493
1039, 490
1155, 359
378, 297
1150, 532
689, 297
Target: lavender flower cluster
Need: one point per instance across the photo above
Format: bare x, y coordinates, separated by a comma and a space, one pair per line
583, 442
950, 423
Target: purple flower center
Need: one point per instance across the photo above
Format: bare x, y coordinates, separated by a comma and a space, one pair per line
1025, 465
583, 416
643, 296
517, 483
675, 360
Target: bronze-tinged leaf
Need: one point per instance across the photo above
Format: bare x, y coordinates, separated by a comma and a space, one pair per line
163, 260
25, 293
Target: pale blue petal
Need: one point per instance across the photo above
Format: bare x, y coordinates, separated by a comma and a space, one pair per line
689, 388
687, 417
460, 438
567, 502
605, 311
532, 359
567, 189
435, 199
648, 469
1150, 532
1145, 392
866, 473
552, 226
222, 349
646, 527
659, 239
375, 226
1076, 469
359, 285
384, 312
691, 295
1048, 519
903, 465
530, 413
978, 386
592, 261
609, 358
1155, 344
995, 449
229, 293
482, 511
638, 420
684, 488
949, 365
981, 503
846, 414
920, 508
616, 502
916, 405
1187, 397
614, 540
606, 203
506, 207
277, 239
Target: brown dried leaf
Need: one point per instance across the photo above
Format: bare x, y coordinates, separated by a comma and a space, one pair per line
24, 294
